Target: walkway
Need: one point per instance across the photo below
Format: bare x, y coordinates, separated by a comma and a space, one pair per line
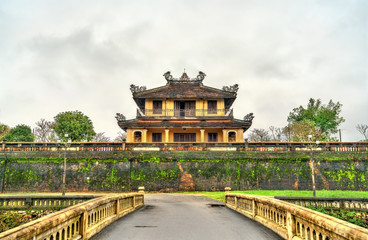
174, 216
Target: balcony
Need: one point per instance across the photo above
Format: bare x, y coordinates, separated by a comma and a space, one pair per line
184, 113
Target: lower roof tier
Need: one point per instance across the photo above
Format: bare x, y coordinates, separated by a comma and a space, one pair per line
213, 123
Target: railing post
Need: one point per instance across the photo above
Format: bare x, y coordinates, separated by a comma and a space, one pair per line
117, 207
84, 225
254, 210
290, 226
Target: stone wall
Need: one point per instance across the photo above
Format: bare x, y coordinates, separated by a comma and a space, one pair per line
174, 171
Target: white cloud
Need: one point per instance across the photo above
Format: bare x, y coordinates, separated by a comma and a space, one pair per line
66, 55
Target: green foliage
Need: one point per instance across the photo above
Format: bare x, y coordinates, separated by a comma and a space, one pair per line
21, 133
4, 129
357, 218
12, 219
300, 130
325, 117
74, 123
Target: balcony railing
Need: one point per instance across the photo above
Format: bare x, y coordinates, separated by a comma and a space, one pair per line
184, 112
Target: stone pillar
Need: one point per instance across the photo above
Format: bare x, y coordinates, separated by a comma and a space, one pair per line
224, 135
239, 135
129, 137
141, 189
83, 225
202, 135
167, 135
290, 226
144, 135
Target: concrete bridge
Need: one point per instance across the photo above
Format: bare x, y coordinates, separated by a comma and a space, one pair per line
170, 216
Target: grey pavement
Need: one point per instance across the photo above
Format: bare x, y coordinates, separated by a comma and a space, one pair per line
178, 216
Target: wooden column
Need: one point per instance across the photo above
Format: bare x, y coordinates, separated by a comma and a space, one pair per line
167, 135
144, 135
202, 135
224, 135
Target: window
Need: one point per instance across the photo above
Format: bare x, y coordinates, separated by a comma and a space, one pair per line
156, 137
137, 136
157, 107
212, 137
212, 107
232, 136
184, 108
184, 137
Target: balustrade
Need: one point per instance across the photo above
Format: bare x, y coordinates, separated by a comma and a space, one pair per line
80, 221
40, 202
119, 146
353, 204
293, 222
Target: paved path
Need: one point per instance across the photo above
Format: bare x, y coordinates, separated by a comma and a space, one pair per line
176, 217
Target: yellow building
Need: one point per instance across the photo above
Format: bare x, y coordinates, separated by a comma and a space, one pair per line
184, 110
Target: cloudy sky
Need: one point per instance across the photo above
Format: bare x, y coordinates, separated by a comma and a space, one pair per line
82, 55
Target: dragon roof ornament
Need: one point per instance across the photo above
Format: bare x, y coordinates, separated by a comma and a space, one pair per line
120, 117
249, 117
135, 89
233, 88
184, 78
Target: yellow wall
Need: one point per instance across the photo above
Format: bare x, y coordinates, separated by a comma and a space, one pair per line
219, 131
168, 107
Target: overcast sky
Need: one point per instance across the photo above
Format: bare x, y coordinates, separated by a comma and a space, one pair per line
58, 56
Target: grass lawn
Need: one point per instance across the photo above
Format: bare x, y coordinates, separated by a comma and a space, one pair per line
220, 196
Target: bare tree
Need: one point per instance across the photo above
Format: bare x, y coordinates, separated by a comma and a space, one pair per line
121, 137
277, 133
44, 131
100, 137
363, 129
259, 135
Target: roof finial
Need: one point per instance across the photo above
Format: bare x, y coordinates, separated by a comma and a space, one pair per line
184, 70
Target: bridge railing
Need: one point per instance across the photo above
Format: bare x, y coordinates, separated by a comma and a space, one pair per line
184, 146
40, 202
351, 204
293, 222
80, 221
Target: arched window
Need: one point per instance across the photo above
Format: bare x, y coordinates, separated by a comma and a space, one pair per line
231, 136
137, 136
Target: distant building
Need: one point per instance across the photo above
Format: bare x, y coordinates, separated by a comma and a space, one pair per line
184, 110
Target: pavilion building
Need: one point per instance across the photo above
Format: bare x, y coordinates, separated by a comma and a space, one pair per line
184, 110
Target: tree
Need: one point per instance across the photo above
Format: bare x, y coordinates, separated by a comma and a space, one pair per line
363, 129
21, 133
74, 123
299, 131
100, 137
276, 133
4, 129
259, 135
325, 117
121, 137
44, 131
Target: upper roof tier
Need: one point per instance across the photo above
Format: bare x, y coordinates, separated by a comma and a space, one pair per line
185, 88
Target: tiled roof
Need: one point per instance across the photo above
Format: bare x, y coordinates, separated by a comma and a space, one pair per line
184, 90
141, 123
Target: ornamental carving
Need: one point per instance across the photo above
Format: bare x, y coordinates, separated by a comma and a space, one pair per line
233, 88
200, 76
168, 76
135, 89
120, 117
249, 117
